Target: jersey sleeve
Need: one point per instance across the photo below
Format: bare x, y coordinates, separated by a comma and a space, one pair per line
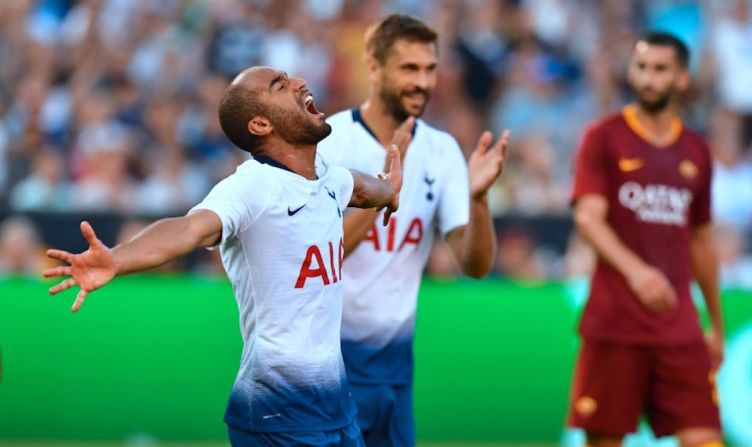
238, 200
701, 205
590, 173
454, 199
346, 186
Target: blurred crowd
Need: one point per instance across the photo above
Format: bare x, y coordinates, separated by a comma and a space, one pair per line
110, 105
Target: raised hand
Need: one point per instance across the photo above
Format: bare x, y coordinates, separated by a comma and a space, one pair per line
394, 176
89, 270
486, 163
401, 138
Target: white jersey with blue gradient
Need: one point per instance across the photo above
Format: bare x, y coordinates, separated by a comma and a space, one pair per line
383, 273
282, 249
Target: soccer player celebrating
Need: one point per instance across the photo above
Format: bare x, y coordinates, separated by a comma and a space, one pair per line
642, 200
384, 264
278, 223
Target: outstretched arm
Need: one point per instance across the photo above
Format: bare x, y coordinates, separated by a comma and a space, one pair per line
159, 243
474, 244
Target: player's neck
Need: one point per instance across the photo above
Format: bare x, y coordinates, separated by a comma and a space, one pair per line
299, 159
658, 126
379, 120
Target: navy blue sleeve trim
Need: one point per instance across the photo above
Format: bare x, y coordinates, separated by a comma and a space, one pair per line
274, 163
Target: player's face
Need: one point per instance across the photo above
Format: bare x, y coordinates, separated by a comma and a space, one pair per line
656, 75
407, 78
291, 110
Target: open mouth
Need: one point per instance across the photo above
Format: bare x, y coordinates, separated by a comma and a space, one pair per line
310, 106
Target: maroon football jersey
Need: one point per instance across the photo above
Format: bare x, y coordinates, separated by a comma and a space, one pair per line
656, 196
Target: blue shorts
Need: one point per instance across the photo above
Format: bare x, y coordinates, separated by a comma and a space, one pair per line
385, 414
345, 437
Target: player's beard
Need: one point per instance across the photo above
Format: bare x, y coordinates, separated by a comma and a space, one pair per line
391, 98
297, 127
657, 104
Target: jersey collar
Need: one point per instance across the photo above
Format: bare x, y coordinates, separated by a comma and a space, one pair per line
357, 117
629, 113
274, 163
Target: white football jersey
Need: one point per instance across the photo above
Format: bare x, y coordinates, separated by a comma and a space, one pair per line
282, 249
383, 274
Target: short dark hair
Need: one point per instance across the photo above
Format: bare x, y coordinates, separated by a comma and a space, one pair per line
236, 108
380, 37
665, 39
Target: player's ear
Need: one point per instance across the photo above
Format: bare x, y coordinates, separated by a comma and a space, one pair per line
373, 67
684, 80
260, 126
631, 72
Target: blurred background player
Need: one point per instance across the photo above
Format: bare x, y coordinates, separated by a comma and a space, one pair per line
642, 200
278, 223
384, 264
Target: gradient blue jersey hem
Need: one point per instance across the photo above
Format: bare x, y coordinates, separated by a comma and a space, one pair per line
300, 410
379, 365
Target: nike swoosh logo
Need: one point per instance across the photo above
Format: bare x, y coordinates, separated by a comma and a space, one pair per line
630, 164
292, 212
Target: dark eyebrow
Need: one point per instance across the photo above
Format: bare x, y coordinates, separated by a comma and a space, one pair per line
276, 79
280, 76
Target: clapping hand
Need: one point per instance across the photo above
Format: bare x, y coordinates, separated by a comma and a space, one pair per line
486, 163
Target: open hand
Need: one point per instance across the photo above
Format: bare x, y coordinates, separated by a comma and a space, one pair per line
394, 176
486, 163
89, 270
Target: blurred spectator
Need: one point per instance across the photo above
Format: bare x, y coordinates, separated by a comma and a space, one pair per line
161, 123
732, 48
21, 251
119, 97
4, 144
160, 63
237, 37
208, 263
173, 187
298, 48
198, 126
535, 89
579, 260
732, 179
441, 263
551, 20
533, 186
46, 188
516, 255
736, 266
481, 48
103, 182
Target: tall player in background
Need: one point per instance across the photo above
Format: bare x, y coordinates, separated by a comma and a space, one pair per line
384, 264
278, 223
642, 199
